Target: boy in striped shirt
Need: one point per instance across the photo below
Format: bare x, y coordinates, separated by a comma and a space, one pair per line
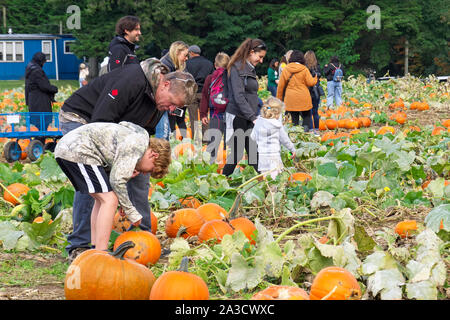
99, 158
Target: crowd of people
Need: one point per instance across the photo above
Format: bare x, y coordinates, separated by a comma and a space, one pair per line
110, 163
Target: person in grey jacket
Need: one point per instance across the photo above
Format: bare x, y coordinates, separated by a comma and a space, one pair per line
242, 108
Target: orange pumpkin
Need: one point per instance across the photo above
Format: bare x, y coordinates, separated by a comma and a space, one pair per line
446, 123
281, 293
386, 129
147, 248
23, 143
406, 228
246, 226
122, 224
327, 136
179, 285
190, 202
322, 125
181, 149
437, 131
331, 124
335, 283
352, 124
342, 123
99, 275
214, 230
212, 211
184, 222
17, 189
300, 176
40, 219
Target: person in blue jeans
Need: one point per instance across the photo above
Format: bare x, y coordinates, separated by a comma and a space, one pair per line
334, 88
139, 93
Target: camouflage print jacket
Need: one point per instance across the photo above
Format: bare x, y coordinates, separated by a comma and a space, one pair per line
118, 147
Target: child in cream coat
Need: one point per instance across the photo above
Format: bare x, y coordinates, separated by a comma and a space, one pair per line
269, 135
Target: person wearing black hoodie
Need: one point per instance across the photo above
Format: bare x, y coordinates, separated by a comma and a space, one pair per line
39, 93
122, 47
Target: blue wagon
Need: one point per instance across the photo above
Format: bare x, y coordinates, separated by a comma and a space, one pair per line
29, 125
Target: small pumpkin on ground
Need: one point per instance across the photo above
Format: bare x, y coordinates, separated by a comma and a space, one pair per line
17, 189
184, 222
281, 293
335, 283
406, 228
214, 230
180, 285
212, 211
147, 248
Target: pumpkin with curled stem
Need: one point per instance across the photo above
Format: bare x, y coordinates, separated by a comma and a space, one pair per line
101, 275
180, 285
184, 222
335, 283
147, 249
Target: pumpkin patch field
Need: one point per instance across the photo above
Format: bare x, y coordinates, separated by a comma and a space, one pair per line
361, 212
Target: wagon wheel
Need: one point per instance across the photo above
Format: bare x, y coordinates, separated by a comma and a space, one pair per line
35, 149
50, 146
12, 151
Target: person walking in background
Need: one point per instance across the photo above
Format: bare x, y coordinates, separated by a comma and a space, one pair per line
272, 77
316, 91
175, 59
39, 93
269, 135
334, 72
200, 68
82, 76
214, 104
242, 109
123, 46
293, 89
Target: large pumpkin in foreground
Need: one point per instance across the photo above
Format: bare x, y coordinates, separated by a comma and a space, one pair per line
335, 283
281, 293
100, 275
147, 248
180, 285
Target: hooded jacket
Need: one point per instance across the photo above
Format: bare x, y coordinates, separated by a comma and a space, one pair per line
39, 92
121, 52
243, 91
124, 94
269, 135
297, 96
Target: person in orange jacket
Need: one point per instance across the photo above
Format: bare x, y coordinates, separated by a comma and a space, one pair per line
293, 89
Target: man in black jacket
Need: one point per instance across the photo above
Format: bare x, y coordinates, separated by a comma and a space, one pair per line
137, 93
123, 46
39, 93
200, 68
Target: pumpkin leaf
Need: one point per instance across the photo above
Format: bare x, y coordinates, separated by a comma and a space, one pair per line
438, 214
233, 243
41, 233
423, 290
343, 226
363, 240
244, 274
9, 235
321, 199
286, 279
436, 187
388, 283
50, 170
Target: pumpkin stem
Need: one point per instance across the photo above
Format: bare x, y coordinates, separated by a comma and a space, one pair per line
184, 264
181, 231
122, 249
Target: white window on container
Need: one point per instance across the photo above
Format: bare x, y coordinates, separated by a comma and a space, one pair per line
9, 51
19, 51
47, 50
2, 51
68, 46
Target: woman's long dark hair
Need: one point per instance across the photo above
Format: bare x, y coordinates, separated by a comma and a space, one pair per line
272, 63
243, 52
297, 56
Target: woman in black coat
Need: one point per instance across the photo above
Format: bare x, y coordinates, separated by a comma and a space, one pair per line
39, 93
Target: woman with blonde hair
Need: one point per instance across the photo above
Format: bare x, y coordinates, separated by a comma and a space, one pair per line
175, 59
316, 91
269, 135
242, 109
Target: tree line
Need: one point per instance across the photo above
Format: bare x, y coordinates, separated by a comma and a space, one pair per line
336, 27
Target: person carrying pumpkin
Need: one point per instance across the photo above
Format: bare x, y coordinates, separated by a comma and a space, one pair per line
99, 158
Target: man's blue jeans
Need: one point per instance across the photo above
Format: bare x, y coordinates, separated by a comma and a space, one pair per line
334, 91
138, 188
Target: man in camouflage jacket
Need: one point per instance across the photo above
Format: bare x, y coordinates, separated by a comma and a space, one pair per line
118, 147
137, 93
